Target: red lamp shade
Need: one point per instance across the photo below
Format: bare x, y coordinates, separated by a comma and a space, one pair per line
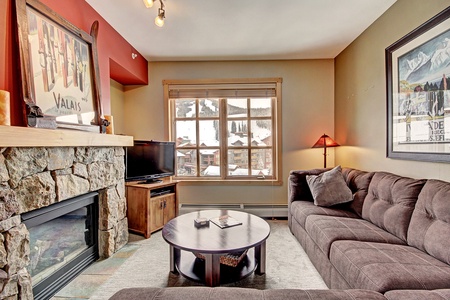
325, 142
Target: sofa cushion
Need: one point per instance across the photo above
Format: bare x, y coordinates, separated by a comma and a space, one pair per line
324, 230
358, 181
294, 294
390, 202
232, 293
383, 267
443, 294
329, 188
300, 210
429, 229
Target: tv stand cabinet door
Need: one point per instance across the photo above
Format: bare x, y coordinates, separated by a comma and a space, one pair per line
156, 213
169, 207
138, 211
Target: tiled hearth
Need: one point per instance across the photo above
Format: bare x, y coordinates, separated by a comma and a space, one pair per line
36, 177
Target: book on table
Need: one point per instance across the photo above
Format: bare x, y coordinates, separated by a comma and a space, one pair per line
225, 221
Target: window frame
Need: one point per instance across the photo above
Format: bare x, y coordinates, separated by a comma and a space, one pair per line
224, 179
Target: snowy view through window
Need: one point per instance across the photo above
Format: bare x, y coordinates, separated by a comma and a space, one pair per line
246, 139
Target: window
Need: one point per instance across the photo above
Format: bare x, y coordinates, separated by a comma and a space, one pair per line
225, 130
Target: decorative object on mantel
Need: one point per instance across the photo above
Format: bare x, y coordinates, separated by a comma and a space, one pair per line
104, 125
110, 127
159, 20
418, 92
35, 118
59, 69
5, 115
325, 142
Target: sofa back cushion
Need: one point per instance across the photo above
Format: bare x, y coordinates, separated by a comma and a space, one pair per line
429, 229
358, 182
390, 202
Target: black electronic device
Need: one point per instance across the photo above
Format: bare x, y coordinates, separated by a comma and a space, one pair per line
148, 161
160, 193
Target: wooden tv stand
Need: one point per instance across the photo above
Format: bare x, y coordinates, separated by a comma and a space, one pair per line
150, 206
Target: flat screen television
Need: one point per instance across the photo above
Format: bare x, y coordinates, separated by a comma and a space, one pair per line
148, 161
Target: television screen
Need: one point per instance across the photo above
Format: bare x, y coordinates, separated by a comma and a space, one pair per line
149, 160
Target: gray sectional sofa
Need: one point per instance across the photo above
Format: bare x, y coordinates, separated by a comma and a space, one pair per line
232, 293
390, 241
393, 235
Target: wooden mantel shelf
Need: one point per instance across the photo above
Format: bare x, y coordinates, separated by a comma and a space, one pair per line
13, 136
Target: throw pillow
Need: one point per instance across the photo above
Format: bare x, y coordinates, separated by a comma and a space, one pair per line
329, 188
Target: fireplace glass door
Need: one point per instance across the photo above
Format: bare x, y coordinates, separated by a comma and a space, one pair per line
57, 241
62, 237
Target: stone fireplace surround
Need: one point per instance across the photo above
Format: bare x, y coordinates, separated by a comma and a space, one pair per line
36, 177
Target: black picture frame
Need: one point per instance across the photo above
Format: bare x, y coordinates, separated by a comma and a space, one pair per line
59, 70
418, 92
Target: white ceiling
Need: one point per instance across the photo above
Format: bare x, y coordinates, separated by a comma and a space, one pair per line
241, 29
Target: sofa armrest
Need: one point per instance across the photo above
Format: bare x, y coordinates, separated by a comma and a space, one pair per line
298, 189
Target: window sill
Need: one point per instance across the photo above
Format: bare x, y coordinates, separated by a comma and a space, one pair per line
191, 182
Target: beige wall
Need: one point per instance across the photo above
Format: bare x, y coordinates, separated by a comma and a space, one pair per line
360, 96
307, 112
117, 107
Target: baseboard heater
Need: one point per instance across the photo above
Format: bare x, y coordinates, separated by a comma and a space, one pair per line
261, 210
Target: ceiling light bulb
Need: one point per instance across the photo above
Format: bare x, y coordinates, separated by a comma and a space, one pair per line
148, 3
159, 20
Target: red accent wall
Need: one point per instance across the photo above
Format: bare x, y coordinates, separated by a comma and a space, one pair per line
114, 52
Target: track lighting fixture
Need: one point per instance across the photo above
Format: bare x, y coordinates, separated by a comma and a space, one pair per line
159, 20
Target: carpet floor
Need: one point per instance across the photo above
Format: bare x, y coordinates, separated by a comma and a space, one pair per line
288, 266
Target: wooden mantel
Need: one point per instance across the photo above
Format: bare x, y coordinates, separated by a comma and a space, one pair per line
13, 136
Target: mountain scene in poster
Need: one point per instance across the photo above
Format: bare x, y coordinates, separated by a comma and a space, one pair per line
423, 102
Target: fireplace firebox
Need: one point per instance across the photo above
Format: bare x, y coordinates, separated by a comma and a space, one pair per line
63, 242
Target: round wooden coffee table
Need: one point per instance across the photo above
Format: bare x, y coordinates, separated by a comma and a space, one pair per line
212, 242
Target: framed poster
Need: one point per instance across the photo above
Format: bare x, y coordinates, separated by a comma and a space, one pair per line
60, 81
418, 93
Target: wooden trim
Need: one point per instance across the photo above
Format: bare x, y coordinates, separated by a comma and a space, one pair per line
222, 81
277, 150
223, 141
168, 119
12, 136
228, 182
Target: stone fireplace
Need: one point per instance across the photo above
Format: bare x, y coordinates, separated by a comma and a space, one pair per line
32, 178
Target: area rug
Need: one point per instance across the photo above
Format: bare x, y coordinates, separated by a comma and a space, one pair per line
288, 266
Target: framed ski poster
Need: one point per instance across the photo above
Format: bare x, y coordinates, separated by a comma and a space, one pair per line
418, 92
59, 68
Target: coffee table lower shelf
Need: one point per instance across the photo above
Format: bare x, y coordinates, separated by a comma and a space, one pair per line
193, 268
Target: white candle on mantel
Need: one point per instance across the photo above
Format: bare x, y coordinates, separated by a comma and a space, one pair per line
5, 115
